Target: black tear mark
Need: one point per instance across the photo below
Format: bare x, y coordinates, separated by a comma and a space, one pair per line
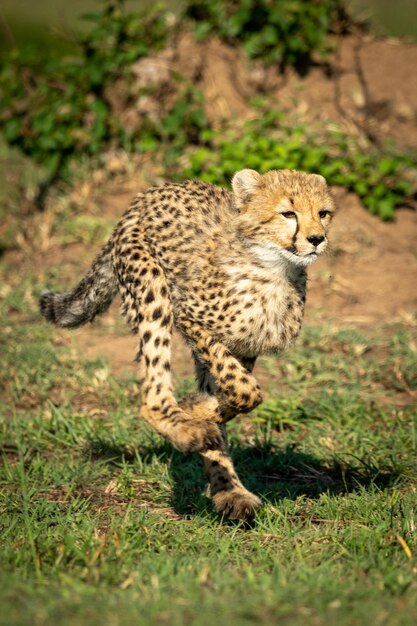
293, 248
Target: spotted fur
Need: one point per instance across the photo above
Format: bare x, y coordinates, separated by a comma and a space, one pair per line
228, 270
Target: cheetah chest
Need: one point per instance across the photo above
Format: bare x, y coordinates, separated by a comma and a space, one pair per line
250, 315
268, 316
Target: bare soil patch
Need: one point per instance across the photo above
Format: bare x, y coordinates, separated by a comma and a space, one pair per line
366, 86
370, 273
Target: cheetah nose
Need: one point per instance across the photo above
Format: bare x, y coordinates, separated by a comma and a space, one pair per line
315, 239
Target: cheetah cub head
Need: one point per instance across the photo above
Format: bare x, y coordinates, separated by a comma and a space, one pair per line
283, 215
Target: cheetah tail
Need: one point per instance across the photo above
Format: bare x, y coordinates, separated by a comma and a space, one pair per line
91, 297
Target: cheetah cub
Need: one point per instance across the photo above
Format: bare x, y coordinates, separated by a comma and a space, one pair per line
228, 270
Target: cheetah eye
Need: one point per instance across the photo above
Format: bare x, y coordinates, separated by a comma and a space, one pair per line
288, 214
323, 214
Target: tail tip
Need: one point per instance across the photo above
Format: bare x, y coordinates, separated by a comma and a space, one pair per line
46, 306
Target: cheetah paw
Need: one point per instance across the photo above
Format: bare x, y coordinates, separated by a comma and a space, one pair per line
237, 503
197, 436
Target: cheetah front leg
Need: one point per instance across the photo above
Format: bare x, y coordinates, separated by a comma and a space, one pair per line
147, 306
236, 387
229, 495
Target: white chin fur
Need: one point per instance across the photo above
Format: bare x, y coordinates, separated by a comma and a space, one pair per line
272, 256
303, 261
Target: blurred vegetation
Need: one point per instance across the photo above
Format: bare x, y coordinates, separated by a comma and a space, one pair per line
56, 108
70, 107
284, 32
387, 18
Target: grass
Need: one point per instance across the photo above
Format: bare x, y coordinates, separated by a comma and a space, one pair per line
103, 522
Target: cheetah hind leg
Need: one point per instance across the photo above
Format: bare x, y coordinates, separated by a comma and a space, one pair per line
150, 316
177, 422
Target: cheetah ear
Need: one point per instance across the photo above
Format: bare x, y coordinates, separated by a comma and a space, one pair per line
319, 178
244, 184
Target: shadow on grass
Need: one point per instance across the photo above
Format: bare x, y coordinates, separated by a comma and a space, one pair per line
271, 472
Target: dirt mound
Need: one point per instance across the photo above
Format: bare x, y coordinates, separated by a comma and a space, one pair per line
366, 85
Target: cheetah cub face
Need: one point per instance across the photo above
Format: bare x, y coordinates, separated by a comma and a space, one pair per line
284, 215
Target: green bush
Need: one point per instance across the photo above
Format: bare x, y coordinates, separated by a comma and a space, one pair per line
58, 109
61, 109
383, 182
284, 32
